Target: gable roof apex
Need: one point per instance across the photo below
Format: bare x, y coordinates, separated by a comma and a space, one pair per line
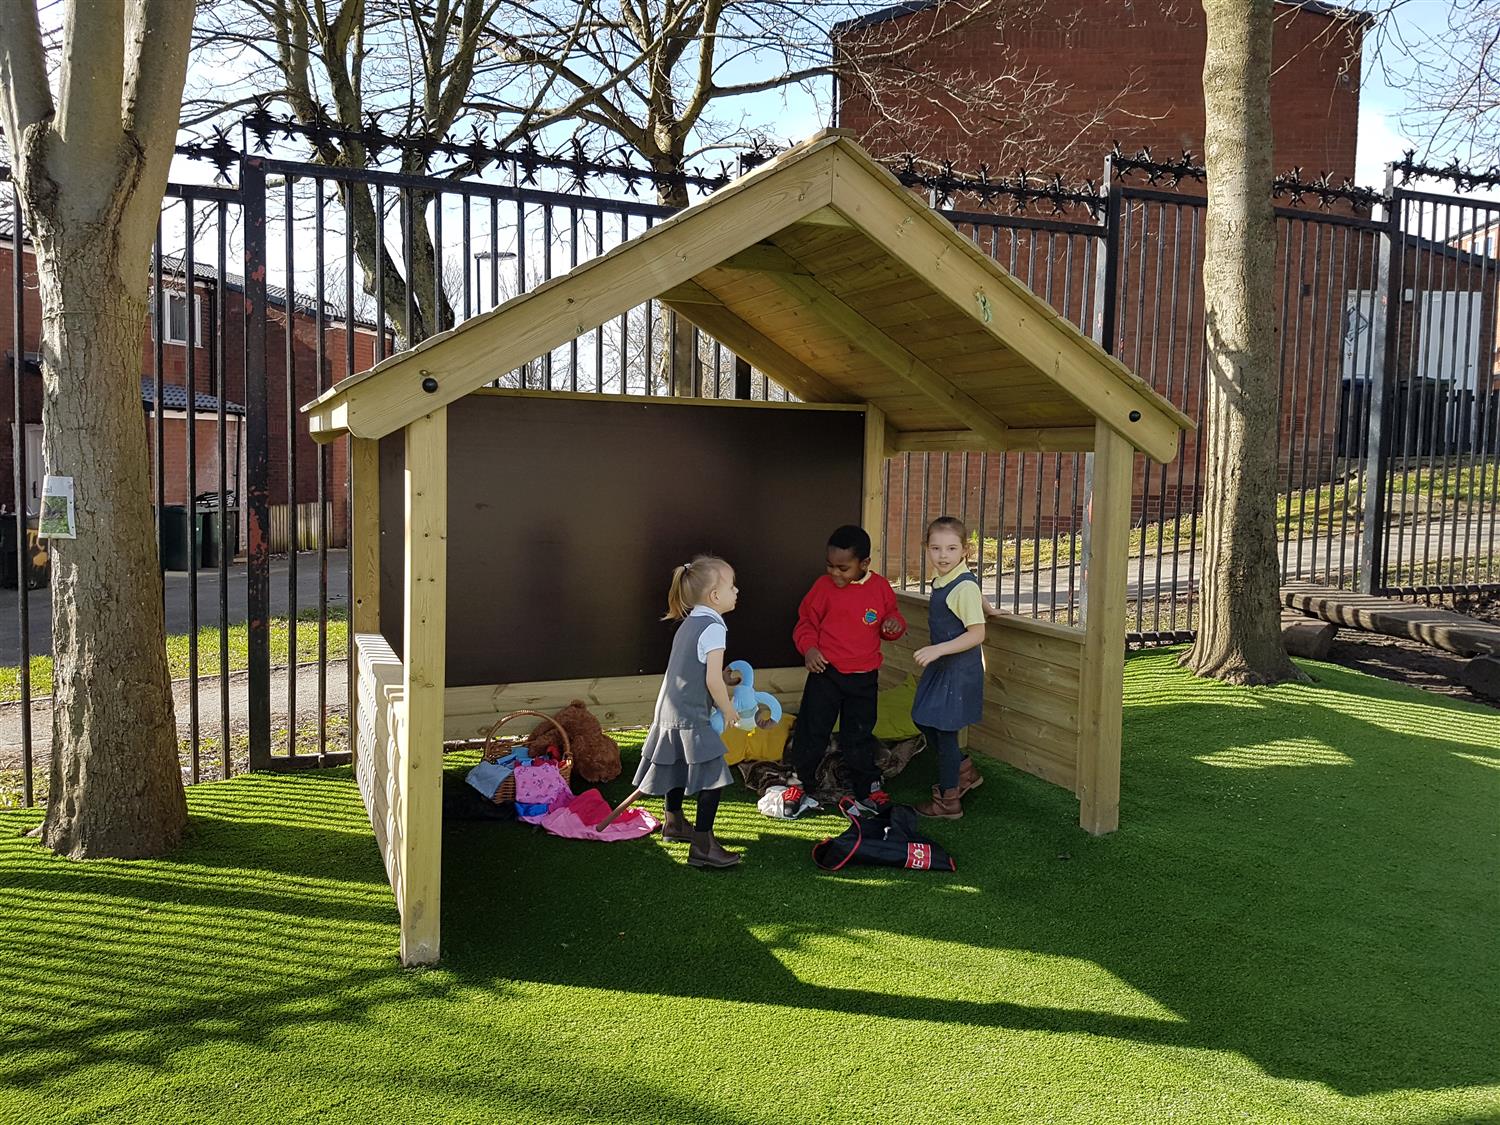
825, 273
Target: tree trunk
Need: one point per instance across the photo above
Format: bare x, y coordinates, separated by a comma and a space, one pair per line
1239, 635
91, 168
116, 786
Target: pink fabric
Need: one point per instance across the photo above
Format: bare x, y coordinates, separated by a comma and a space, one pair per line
541, 785
576, 820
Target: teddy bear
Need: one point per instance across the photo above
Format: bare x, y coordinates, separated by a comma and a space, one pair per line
596, 756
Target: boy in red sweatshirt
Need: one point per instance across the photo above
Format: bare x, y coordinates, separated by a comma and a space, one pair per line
840, 625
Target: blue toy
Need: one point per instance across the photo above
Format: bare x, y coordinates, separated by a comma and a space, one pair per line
755, 708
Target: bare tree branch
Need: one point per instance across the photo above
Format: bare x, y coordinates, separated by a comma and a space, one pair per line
93, 69
27, 98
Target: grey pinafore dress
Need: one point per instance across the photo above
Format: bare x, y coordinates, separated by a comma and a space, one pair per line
950, 694
682, 751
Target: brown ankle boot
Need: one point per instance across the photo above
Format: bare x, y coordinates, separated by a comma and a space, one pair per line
706, 851
969, 776
944, 804
675, 827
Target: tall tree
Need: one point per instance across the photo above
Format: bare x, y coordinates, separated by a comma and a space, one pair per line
91, 165
1239, 636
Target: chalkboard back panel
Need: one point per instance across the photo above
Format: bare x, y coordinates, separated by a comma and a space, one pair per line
567, 515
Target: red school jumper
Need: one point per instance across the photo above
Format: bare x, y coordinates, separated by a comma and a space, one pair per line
844, 623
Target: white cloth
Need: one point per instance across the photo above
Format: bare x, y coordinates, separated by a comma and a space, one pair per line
773, 804
715, 637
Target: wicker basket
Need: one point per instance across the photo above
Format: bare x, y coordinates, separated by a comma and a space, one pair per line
496, 747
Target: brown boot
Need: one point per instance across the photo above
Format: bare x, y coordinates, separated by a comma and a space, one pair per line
675, 827
969, 776
706, 851
944, 804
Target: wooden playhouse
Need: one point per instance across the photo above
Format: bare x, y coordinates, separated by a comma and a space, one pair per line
511, 549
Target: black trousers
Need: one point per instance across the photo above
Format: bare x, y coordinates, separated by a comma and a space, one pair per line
849, 700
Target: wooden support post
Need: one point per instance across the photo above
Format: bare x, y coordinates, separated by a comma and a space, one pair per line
1103, 670
421, 765
364, 558
872, 515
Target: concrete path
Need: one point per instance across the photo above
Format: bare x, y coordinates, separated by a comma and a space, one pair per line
178, 586
210, 710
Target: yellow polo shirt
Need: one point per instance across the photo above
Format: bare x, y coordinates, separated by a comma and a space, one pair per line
967, 603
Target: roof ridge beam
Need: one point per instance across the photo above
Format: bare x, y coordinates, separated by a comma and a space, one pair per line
875, 343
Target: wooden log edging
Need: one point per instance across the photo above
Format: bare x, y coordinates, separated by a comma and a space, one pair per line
1441, 628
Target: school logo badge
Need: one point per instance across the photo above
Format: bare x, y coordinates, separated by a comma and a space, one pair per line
871, 617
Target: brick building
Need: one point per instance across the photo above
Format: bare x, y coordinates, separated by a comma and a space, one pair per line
209, 385
1127, 71
1132, 69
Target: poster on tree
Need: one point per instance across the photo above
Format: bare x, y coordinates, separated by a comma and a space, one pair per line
58, 514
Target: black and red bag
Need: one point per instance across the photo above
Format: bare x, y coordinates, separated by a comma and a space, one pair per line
888, 840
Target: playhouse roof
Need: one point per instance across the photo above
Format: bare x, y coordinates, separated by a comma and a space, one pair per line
824, 272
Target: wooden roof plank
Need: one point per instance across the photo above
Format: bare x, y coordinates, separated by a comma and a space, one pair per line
749, 344
465, 358
1014, 315
865, 336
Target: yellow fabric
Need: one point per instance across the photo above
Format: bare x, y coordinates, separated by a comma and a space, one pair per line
757, 745
893, 712
967, 603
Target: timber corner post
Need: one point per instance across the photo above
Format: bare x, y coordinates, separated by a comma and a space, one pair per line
1101, 710
423, 683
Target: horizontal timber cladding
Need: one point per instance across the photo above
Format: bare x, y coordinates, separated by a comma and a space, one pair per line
567, 514
1032, 690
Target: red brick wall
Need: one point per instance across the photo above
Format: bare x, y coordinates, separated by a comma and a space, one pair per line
1150, 49
307, 383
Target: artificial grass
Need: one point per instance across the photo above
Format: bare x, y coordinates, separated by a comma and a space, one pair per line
1294, 924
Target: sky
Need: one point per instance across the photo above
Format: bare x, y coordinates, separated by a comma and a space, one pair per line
794, 114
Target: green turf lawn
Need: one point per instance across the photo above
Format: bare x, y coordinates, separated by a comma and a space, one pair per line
1296, 924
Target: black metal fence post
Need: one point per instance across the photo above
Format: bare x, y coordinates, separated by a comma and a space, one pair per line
1388, 282
23, 567
257, 465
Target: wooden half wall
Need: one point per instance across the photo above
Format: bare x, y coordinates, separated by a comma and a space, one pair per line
1033, 688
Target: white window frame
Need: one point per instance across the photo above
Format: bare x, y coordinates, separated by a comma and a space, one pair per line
169, 295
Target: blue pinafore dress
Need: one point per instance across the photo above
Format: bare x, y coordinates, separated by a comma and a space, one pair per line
950, 694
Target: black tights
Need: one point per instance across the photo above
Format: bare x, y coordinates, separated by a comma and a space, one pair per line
708, 806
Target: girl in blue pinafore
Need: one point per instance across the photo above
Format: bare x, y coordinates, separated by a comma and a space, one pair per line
950, 695
682, 753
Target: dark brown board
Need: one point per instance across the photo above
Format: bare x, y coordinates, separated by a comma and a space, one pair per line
566, 517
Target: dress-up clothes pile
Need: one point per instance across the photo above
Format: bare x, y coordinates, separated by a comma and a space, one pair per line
543, 798
767, 779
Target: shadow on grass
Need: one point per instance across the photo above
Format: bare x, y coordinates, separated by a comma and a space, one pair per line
1317, 901
1304, 876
